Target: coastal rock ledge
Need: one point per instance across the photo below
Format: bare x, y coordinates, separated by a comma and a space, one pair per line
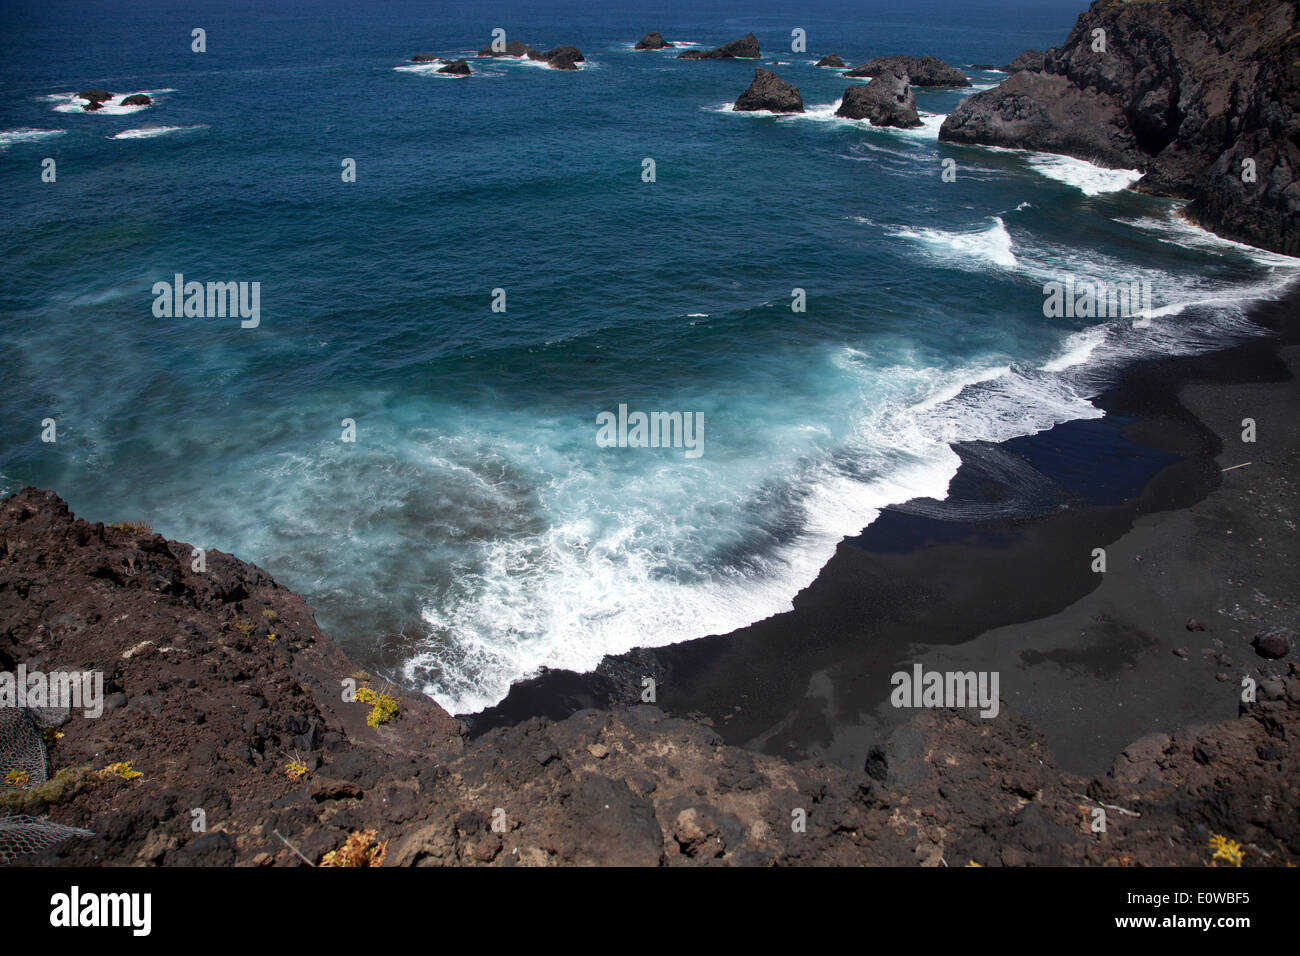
1202, 96
224, 694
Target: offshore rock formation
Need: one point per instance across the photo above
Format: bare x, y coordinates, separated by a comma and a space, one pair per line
887, 100
1203, 96
832, 60
745, 49
923, 70
225, 696
769, 92
652, 41
456, 67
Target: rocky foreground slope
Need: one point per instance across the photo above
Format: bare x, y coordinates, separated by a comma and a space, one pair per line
226, 699
1201, 95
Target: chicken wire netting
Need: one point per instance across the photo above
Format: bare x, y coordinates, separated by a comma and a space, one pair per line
23, 765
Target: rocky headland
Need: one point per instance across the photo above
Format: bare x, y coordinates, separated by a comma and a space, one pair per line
1202, 96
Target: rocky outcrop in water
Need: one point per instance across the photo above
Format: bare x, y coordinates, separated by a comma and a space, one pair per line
771, 93
515, 48
922, 70
558, 58
652, 41
832, 60
887, 100
1029, 60
456, 67
425, 58
744, 49
95, 99
1203, 96
137, 99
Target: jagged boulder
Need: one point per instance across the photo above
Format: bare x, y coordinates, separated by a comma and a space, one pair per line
769, 92
652, 41
887, 100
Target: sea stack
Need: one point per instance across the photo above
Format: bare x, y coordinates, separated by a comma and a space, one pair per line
743, 49
922, 70
652, 41
887, 100
769, 92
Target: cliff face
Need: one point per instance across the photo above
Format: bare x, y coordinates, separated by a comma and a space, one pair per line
1185, 90
218, 680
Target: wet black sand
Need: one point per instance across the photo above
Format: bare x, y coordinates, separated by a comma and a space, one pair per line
986, 581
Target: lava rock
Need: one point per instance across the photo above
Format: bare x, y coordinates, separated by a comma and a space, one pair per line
743, 49
652, 41
456, 67
921, 70
1272, 644
887, 100
137, 99
769, 92
831, 59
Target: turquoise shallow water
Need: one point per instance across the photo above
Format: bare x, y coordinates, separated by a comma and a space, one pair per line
476, 530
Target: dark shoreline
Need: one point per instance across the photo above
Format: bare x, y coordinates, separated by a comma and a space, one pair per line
812, 681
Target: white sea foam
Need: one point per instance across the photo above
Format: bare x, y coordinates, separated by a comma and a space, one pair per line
73, 103
12, 137
150, 132
1088, 178
991, 245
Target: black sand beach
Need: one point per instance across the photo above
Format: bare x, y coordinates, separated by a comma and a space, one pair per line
992, 580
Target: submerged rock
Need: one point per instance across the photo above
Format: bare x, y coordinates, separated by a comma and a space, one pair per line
922, 70
769, 92
887, 100
424, 58
652, 41
743, 49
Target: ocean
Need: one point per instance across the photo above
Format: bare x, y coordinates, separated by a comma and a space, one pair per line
475, 529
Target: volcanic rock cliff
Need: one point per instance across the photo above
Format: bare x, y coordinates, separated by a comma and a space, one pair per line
1202, 95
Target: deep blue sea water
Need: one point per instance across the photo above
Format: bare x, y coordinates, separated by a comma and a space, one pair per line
475, 530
